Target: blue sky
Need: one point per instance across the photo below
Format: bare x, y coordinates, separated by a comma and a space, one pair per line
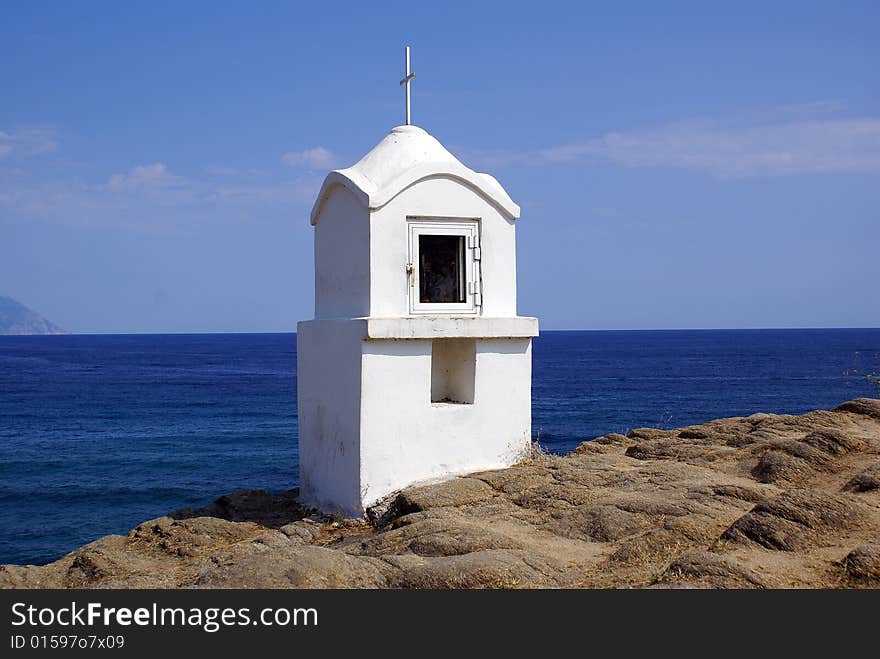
678, 165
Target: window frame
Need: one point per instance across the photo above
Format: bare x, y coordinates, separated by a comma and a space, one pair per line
469, 228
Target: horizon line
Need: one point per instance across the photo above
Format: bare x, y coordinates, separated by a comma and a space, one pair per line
652, 329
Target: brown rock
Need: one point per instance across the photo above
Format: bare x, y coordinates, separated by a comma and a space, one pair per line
862, 564
696, 507
866, 481
776, 465
793, 520
865, 406
738, 492
481, 569
610, 438
456, 492
429, 534
834, 442
711, 570
258, 506
289, 566
597, 523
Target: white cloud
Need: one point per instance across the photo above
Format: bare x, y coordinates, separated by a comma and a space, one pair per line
801, 147
221, 170
279, 193
31, 141
777, 141
142, 177
151, 198
316, 158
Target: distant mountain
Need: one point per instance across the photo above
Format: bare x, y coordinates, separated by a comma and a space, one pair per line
15, 318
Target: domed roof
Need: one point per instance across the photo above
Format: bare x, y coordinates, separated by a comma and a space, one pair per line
406, 156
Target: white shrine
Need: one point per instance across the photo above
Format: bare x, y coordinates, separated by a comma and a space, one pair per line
416, 366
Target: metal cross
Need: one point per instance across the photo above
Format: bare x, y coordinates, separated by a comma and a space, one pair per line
405, 83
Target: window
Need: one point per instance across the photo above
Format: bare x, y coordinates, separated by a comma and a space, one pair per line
444, 266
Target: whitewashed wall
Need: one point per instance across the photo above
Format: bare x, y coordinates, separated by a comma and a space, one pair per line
342, 258
406, 438
328, 357
440, 197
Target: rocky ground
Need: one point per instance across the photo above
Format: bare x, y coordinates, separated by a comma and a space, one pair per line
766, 501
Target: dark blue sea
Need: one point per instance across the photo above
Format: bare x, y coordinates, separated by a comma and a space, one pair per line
99, 433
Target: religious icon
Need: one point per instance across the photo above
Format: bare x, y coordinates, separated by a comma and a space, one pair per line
441, 268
